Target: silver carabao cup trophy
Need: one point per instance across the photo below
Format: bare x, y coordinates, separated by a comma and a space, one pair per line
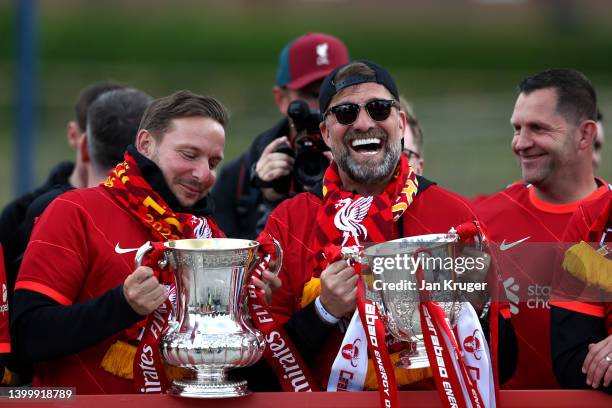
209, 332
396, 292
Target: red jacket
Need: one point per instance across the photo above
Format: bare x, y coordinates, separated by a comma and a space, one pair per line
434, 210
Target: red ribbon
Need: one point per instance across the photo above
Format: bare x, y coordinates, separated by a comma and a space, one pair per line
149, 375
444, 354
282, 356
375, 334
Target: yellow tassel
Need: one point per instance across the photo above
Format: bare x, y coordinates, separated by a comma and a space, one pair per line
402, 376
588, 265
119, 360
312, 289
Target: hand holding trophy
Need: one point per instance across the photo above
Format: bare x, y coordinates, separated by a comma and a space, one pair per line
421, 288
208, 329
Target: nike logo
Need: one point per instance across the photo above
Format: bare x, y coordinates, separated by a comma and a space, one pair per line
120, 250
504, 247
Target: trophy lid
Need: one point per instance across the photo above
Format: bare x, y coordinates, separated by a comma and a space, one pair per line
410, 244
211, 244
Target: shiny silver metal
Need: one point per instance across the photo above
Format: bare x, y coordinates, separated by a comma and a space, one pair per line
209, 330
400, 308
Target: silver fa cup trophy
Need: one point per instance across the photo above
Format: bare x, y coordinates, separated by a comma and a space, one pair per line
392, 284
210, 331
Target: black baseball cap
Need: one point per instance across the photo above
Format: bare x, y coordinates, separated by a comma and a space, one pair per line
329, 87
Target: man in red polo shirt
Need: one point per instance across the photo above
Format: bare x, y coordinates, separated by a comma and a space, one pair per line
78, 293
554, 123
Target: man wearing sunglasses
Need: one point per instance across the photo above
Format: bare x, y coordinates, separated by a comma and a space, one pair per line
244, 192
363, 127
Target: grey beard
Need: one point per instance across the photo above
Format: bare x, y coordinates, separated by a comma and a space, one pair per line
371, 172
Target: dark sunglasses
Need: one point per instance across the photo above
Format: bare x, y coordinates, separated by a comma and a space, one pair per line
378, 109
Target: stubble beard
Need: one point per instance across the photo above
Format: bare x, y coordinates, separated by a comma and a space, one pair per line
370, 172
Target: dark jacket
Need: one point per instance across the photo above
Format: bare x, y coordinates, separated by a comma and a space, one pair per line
570, 347
14, 214
15, 230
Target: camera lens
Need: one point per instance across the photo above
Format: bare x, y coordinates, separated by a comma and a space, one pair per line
309, 167
298, 110
303, 118
310, 163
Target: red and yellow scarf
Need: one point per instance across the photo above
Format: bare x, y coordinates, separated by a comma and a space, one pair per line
129, 188
347, 219
336, 226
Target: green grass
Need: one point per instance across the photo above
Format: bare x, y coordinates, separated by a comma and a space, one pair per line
214, 36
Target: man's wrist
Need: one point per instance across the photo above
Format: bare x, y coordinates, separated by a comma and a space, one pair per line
323, 313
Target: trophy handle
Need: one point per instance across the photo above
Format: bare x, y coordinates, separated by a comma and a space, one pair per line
279, 256
263, 253
152, 255
155, 256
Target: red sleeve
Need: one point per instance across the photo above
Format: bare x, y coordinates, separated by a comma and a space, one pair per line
292, 224
5, 340
283, 300
55, 260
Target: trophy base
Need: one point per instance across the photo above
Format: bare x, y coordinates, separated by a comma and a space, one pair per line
198, 389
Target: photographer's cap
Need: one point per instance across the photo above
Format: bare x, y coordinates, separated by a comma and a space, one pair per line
310, 58
329, 87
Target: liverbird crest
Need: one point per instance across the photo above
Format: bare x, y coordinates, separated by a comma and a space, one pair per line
322, 56
349, 217
201, 228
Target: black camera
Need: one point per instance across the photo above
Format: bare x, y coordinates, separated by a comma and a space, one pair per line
310, 162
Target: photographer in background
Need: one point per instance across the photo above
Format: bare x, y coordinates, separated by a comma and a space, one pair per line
250, 186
